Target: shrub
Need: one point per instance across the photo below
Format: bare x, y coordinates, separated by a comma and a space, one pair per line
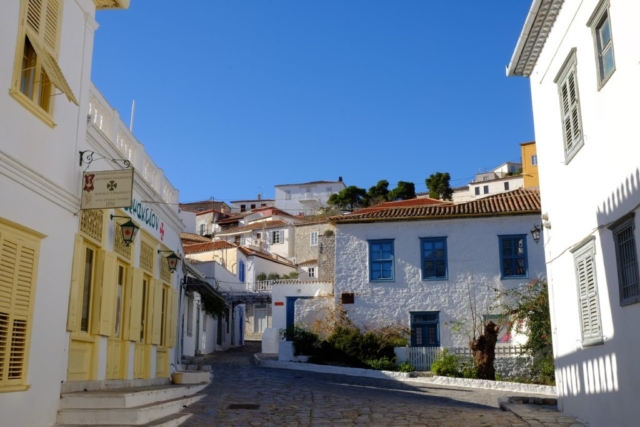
261, 277
446, 365
382, 364
304, 342
273, 276
406, 367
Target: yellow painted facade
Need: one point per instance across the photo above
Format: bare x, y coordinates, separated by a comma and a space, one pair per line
530, 164
112, 297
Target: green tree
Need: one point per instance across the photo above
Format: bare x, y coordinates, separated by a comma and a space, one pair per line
378, 193
403, 191
349, 198
438, 185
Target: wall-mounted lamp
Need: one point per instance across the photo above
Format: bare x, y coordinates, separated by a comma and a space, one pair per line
535, 233
172, 260
129, 230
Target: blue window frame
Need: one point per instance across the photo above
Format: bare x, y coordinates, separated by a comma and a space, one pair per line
241, 271
434, 258
380, 260
513, 256
425, 328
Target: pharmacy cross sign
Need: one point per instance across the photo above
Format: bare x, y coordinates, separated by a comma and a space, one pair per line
112, 185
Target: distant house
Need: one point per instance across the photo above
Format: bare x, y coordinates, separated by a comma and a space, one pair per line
314, 250
530, 165
506, 177
250, 204
206, 205
306, 198
582, 58
422, 266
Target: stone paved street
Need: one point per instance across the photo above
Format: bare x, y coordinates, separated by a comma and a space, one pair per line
296, 398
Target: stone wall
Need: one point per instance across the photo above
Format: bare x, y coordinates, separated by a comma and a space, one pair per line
327, 257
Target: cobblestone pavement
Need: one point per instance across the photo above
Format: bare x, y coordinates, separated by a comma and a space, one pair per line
296, 398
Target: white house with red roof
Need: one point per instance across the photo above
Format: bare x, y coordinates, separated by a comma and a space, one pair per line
306, 198
421, 263
582, 59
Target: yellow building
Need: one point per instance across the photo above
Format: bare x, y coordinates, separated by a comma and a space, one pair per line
530, 164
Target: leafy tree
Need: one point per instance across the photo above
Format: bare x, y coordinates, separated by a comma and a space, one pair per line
378, 193
438, 185
403, 191
349, 198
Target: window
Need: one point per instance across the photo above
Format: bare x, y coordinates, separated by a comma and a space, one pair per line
380, 260
164, 311
601, 27
485, 189
588, 300
312, 272
513, 256
425, 331
243, 208
314, 238
36, 70
477, 191
287, 194
146, 282
570, 108
485, 178
119, 303
203, 229
253, 205
627, 260
241, 271
534, 159
19, 253
434, 258
87, 285
190, 316
277, 236
506, 186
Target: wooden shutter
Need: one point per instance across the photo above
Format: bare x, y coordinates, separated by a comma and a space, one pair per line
570, 110
157, 312
77, 270
173, 324
18, 268
126, 304
108, 297
135, 313
588, 294
150, 302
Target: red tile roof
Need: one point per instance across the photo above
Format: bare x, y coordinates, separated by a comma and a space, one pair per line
518, 202
208, 247
308, 262
192, 237
255, 226
423, 201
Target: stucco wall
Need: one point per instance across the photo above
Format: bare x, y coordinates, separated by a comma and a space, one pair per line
473, 265
282, 291
316, 314
597, 383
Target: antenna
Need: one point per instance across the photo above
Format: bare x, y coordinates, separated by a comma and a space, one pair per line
133, 112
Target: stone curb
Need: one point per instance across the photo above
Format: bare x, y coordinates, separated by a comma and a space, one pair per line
538, 414
404, 376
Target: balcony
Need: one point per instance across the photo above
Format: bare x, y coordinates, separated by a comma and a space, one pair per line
267, 285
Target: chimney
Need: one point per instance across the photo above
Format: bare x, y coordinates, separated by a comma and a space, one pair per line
339, 179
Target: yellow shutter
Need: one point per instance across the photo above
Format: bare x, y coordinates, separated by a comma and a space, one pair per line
50, 33
126, 304
73, 317
135, 315
96, 292
148, 333
173, 324
18, 268
34, 12
157, 313
108, 299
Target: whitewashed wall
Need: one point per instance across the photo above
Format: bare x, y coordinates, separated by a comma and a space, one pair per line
318, 192
601, 184
282, 291
473, 263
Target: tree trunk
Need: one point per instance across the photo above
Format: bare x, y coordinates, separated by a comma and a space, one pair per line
484, 352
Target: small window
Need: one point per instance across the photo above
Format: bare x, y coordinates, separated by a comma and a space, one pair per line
588, 300
627, 260
513, 256
485, 189
434, 258
485, 178
203, 229
534, 160
601, 26
477, 191
314, 238
277, 236
347, 298
312, 272
243, 208
506, 186
381, 260
241, 271
253, 206
570, 108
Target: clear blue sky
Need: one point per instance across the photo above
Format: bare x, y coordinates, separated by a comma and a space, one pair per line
236, 96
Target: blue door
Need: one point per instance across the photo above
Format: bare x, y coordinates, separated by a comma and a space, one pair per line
291, 314
425, 328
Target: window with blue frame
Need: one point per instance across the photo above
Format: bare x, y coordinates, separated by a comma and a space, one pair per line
380, 260
425, 330
513, 256
434, 258
241, 271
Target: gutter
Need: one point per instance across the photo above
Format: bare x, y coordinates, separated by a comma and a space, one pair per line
524, 35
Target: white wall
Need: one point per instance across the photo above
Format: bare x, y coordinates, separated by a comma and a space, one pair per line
282, 291
318, 199
473, 263
601, 184
189, 220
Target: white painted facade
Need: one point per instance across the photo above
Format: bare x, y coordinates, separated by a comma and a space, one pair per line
306, 198
596, 382
473, 260
490, 183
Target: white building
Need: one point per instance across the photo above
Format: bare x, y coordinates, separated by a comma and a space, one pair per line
250, 204
506, 177
421, 266
583, 63
306, 198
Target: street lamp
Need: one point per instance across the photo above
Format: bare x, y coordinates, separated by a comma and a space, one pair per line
535, 233
129, 230
172, 260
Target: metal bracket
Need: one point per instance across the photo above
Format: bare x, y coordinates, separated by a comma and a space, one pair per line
86, 157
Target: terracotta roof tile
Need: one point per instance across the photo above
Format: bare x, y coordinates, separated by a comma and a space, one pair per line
517, 202
423, 201
192, 237
209, 246
308, 262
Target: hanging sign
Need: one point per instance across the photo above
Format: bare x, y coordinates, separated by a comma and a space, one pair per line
107, 189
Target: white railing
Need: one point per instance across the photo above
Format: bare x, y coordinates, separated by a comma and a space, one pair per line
421, 358
267, 285
501, 351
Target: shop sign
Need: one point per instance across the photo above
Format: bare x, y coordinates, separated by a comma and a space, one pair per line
107, 189
147, 216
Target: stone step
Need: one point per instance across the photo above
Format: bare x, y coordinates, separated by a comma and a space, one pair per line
173, 420
135, 416
127, 397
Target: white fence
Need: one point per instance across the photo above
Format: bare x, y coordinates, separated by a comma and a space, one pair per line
421, 358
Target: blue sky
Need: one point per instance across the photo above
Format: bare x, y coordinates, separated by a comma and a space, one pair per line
236, 96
